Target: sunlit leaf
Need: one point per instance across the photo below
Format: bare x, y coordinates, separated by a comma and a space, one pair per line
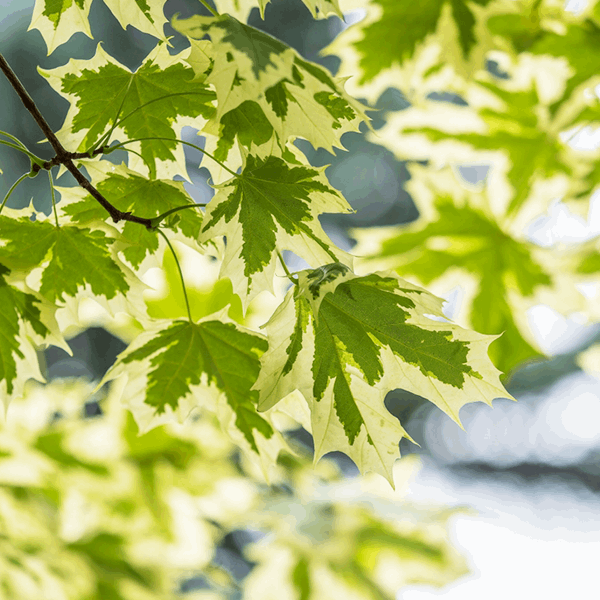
155, 101
271, 206
359, 338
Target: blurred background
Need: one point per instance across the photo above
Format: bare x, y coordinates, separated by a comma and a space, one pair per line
531, 469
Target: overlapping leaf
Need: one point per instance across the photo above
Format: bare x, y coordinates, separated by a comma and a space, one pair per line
505, 271
345, 341
18, 361
145, 15
550, 30
263, 85
381, 50
146, 198
240, 9
58, 20
71, 258
272, 205
211, 365
155, 101
520, 129
116, 477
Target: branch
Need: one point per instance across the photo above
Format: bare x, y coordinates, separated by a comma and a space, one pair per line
29, 104
63, 157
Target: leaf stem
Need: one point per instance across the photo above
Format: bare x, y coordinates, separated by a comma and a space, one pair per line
156, 220
175, 140
137, 154
106, 137
35, 159
12, 189
13, 138
187, 304
102, 141
212, 11
293, 279
53, 196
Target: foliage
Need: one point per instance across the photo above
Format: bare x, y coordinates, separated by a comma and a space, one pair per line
233, 363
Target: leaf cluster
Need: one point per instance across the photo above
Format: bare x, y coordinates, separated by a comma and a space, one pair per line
217, 357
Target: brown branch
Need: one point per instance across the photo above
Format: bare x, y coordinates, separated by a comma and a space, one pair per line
63, 157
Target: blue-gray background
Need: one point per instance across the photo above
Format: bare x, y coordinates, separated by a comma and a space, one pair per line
532, 469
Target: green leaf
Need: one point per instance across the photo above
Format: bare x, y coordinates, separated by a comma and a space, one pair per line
319, 9
248, 122
108, 555
211, 365
58, 20
503, 271
394, 31
51, 444
519, 130
256, 71
148, 198
146, 16
362, 553
157, 100
18, 309
75, 258
359, 338
271, 206
588, 258
578, 43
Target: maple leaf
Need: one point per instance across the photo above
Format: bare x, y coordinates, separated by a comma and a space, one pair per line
146, 16
414, 543
75, 257
155, 101
319, 9
18, 359
271, 206
359, 338
148, 198
519, 130
177, 366
474, 247
278, 90
445, 32
552, 32
58, 20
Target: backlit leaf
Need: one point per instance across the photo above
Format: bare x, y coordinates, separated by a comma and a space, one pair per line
146, 198
271, 206
75, 258
369, 336
58, 20
519, 130
157, 100
179, 366
261, 76
240, 9
394, 36
18, 362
